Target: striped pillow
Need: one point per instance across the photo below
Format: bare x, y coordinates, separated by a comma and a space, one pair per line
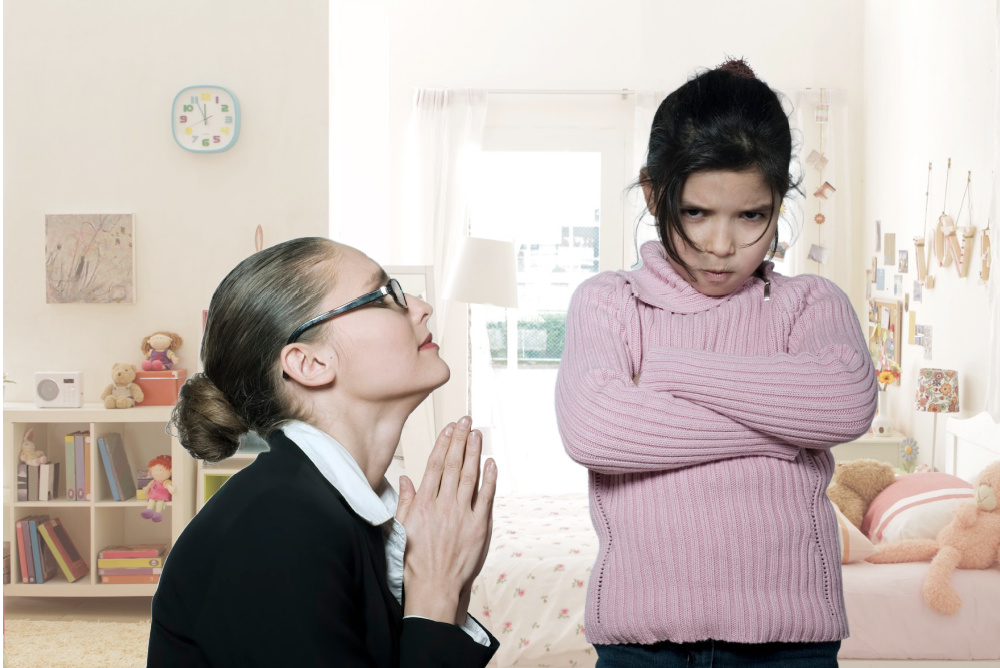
918, 505
854, 545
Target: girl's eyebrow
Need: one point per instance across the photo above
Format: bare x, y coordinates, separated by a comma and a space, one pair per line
763, 206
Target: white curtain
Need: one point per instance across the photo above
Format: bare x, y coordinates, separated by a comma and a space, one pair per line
444, 136
992, 404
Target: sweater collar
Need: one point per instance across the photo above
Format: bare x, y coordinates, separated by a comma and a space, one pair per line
658, 284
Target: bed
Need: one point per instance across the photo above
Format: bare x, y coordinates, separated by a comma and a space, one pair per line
532, 590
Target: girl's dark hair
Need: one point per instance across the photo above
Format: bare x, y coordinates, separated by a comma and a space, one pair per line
250, 316
722, 119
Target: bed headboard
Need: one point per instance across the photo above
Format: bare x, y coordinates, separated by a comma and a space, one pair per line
970, 445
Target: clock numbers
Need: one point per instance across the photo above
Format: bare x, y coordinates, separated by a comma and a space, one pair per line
207, 116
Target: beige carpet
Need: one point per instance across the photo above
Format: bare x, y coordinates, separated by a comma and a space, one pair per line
74, 644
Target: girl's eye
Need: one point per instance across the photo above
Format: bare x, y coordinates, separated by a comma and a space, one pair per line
691, 213
754, 216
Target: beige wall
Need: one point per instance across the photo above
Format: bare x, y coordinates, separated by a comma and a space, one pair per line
930, 95
87, 92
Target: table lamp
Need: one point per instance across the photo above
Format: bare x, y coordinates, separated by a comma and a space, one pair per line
937, 392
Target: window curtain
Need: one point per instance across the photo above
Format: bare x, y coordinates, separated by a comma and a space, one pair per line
445, 134
992, 404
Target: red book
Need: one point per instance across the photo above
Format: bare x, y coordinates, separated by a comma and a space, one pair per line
133, 551
130, 579
22, 553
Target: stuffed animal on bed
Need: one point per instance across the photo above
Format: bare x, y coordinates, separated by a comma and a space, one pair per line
856, 483
971, 540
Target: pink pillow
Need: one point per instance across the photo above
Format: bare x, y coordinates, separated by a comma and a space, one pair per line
917, 505
854, 545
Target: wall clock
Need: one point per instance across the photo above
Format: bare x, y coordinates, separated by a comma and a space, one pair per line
205, 119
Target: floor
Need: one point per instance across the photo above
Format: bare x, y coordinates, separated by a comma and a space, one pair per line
103, 609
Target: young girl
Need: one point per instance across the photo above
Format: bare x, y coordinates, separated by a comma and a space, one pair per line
298, 560
704, 392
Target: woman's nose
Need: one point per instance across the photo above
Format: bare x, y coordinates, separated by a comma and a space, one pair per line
418, 308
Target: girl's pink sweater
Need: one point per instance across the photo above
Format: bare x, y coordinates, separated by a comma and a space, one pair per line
708, 479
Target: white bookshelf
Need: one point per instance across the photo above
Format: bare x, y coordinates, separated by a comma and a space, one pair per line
101, 521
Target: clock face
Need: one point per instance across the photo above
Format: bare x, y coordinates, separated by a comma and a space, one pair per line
206, 119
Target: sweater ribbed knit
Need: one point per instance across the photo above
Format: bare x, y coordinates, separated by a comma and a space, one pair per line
708, 479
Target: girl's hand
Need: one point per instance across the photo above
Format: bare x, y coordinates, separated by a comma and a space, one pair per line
448, 524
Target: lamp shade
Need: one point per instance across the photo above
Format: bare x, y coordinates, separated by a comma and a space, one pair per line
937, 391
485, 272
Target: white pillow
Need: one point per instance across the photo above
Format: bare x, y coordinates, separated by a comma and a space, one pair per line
854, 545
916, 506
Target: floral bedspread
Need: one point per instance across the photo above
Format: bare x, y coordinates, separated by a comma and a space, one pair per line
532, 590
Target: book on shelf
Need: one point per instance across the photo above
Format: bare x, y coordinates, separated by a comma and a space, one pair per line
22, 482
70, 462
116, 465
63, 549
137, 562
129, 571
40, 562
6, 562
48, 481
32, 482
142, 478
23, 551
147, 550
81, 442
88, 494
130, 579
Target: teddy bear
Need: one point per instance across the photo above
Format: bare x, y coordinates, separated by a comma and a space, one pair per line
970, 540
29, 455
856, 483
122, 392
159, 350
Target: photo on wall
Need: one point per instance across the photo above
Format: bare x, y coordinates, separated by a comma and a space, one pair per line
89, 259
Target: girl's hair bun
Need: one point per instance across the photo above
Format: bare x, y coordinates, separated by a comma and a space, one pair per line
737, 66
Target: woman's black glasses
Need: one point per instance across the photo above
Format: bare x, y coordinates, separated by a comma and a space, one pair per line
392, 288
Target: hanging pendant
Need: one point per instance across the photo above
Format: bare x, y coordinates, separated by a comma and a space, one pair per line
945, 226
820, 219
987, 256
921, 256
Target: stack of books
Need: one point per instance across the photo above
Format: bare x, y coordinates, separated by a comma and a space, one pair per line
131, 564
117, 467
38, 482
43, 548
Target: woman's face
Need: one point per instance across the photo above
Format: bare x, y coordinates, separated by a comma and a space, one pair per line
384, 352
728, 216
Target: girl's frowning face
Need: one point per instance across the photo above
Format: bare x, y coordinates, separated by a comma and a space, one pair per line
730, 217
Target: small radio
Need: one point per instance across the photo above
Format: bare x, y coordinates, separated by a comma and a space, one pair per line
58, 389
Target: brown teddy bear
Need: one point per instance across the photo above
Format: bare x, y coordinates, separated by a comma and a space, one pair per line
856, 483
971, 540
122, 392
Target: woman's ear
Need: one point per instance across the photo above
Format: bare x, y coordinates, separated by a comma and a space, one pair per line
647, 190
309, 365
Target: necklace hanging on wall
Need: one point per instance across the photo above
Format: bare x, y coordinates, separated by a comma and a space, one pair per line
817, 252
987, 257
920, 242
944, 227
961, 253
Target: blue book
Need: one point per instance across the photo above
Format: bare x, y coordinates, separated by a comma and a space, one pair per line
36, 553
106, 458
120, 467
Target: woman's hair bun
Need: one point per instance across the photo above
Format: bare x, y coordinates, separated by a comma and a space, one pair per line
206, 423
737, 66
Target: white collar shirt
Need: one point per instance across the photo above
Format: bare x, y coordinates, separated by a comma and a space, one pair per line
377, 507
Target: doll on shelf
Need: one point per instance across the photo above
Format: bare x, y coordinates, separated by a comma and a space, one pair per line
160, 489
